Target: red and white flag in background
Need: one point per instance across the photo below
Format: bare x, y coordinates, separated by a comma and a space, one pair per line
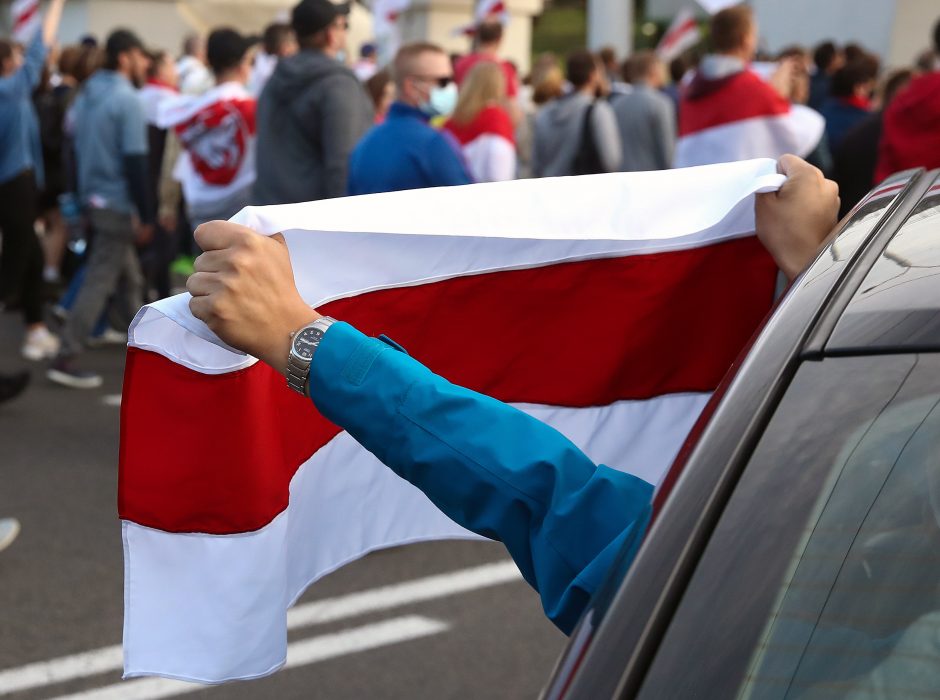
492, 10
235, 494
217, 133
26, 20
681, 35
742, 117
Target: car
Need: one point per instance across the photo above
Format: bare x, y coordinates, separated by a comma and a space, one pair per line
795, 547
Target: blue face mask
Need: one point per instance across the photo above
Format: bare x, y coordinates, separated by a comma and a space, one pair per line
441, 100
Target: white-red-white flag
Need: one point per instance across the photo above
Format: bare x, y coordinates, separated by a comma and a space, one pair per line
25, 20
235, 494
484, 10
681, 35
741, 117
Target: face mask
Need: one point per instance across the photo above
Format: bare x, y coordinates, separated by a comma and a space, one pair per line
341, 56
441, 101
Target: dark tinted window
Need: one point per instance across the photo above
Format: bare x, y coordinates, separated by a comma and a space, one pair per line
822, 579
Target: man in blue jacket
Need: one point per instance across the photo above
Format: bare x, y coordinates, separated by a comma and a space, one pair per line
489, 467
405, 152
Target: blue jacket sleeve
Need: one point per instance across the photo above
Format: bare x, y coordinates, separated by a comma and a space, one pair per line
446, 162
491, 468
22, 83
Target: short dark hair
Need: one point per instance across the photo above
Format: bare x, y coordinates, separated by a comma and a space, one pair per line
489, 32
120, 41
310, 17
156, 58
580, 65
226, 49
853, 74
6, 49
608, 55
638, 66
824, 55
275, 36
730, 27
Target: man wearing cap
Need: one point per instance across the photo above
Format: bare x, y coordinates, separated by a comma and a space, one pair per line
311, 113
113, 183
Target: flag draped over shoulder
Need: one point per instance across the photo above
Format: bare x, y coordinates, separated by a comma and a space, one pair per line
741, 116
608, 306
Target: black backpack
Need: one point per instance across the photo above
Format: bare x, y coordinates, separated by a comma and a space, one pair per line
588, 159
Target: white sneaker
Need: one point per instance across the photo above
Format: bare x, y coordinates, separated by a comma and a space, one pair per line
109, 337
9, 529
40, 344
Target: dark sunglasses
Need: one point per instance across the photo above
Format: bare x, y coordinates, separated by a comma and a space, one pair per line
441, 82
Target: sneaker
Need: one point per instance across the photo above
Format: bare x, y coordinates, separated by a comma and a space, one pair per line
12, 385
108, 337
63, 373
9, 529
40, 344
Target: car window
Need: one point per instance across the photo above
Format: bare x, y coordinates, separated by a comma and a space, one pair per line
822, 579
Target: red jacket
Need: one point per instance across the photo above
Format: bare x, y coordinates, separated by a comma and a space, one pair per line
910, 137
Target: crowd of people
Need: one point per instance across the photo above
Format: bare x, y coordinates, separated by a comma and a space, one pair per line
112, 154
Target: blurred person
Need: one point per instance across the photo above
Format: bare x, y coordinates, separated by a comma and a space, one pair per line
160, 89
608, 59
855, 159
482, 126
910, 137
89, 60
21, 179
367, 65
216, 131
850, 97
495, 470
405, 152
802, 64
110, 133
52, 103
853, 51
679, 67
381, 89
577, 134
194, 76
927, 61
645, 116
312, 113
728, 112
827, 59
9, 529
544, 83
277, 42
489, 39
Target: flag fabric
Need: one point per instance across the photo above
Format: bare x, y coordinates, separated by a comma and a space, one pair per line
681, 35
26, 20
714, 6
217, 132
741, 116
153, 95
484, 10
385, 14
608, 306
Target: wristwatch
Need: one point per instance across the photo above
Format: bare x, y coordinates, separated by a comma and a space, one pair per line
304, 343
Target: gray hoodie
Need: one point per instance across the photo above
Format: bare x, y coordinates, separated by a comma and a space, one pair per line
558, 129
311, 114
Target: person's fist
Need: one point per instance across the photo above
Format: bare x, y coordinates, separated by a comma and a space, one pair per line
793, 221
243, 289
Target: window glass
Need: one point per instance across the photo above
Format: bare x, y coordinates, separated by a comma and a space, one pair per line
823, 577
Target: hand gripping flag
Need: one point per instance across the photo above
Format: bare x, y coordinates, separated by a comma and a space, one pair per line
612, 306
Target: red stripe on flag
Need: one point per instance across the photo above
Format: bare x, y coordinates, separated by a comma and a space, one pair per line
673, 37
743, 96
25, 18
203, 453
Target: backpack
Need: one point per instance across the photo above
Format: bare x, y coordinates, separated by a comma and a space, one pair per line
587, 161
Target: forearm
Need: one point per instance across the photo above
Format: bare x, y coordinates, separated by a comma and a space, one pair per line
51, 21
491, 468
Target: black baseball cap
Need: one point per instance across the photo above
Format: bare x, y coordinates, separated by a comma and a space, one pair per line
312, 16
226, 48
121, 41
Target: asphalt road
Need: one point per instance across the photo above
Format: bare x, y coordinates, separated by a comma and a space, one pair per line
61, 582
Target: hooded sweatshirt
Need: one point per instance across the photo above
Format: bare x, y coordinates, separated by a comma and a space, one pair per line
311, 114
558, 129
910, 137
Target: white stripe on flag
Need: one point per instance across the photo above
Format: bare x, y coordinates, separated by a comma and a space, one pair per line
301, 653
107, 659
798, 132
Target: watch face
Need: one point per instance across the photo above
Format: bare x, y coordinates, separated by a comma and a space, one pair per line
306, 342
